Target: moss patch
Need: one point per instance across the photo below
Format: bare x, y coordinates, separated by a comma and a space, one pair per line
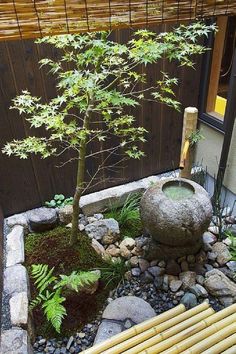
53, 248
131, 229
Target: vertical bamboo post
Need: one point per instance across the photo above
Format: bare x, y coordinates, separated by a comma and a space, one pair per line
189, 126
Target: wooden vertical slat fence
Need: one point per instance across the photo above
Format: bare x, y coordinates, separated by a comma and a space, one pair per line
25, 184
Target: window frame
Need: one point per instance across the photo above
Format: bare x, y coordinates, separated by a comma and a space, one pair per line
205, 76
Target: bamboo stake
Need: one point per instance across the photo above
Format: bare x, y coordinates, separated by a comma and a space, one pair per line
224, 344
197, 332
140, 348
189, 126
231, 350
144, 335
211, 340
135, 330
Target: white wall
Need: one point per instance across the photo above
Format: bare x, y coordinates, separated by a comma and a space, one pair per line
208, 153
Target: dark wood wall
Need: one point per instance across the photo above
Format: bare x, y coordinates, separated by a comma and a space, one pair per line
25, 184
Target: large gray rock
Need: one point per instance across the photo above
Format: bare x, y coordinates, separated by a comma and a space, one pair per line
176, 222
222, 252
219, 285
17, 219
42, 219
15, 246
131, 307
16, 279
107, 231
106, 330
15, 341
116, 314
19, 309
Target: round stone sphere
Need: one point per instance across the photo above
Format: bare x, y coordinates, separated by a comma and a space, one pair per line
176, 212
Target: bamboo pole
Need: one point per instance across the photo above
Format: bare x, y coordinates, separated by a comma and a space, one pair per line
197, 332
135, 330
145, 335
231, 350
189, 126
144, 346
224, 344
211, 340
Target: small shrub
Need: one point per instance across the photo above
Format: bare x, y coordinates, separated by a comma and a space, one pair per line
59, 201
232, 247
50, 290
114, 271
128, 216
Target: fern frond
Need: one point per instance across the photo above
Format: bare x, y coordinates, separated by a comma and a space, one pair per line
54, 310
77, 280
43, 276
39, 299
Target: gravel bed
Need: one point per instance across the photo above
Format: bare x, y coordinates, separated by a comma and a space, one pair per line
161, 301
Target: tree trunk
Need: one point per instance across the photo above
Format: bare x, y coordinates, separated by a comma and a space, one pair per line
79, 182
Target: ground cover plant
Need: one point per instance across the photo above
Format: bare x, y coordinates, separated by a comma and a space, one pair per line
128, 216
95, 95
52, 290
59, 201
64, 260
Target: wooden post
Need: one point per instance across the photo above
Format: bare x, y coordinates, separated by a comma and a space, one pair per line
189, 126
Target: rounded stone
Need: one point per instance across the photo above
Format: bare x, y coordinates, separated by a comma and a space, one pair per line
131, 307
176, 222
42, 219
189, 300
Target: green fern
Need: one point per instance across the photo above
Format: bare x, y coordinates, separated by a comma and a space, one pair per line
50, 289
43, 276
40, 298
54, 310
77, 280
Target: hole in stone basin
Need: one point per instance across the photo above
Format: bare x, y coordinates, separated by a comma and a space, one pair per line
177, 190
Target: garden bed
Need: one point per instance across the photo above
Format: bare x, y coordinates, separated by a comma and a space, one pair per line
163, 284
80, 308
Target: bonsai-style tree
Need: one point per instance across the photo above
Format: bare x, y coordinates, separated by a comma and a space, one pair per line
95, 95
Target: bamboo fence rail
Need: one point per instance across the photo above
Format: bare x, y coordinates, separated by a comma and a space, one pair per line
36, 18
199, 330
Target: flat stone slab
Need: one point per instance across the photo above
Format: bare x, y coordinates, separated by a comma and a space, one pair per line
106, 330
99, 201
15, 246
125, 309
16, 279
42, 219
131, 307
17, 219
15, 341
19, 309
